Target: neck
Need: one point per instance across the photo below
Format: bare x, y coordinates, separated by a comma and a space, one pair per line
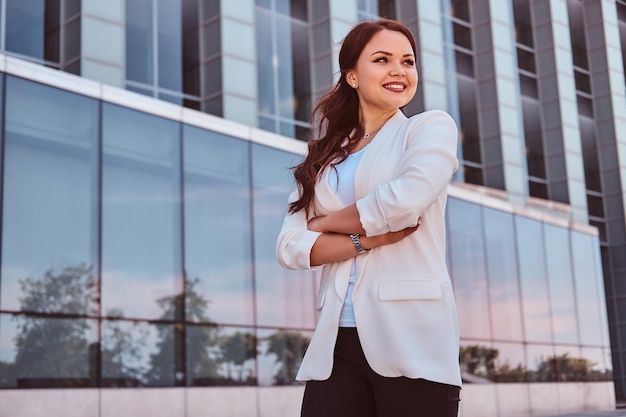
372, 123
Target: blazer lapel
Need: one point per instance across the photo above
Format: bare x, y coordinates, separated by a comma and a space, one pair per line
374, 151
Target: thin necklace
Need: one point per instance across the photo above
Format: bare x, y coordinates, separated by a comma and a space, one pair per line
367, 135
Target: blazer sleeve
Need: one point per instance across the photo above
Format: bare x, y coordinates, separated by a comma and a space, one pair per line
295, 241
425, 169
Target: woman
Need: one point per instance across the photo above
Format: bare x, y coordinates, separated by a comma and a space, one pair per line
386, 341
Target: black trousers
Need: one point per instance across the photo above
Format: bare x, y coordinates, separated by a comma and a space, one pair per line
355, 390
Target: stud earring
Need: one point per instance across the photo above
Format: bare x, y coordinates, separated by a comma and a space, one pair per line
354, 85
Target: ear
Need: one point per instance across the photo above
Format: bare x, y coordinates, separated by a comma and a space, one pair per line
350, 77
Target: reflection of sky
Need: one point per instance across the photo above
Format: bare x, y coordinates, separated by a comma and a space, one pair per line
8, 331
46, 216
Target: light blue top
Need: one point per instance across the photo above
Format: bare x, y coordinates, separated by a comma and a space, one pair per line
341, 181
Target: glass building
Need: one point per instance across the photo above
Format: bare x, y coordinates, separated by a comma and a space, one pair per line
145, 148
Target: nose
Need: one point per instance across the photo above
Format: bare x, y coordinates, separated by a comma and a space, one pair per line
397, 70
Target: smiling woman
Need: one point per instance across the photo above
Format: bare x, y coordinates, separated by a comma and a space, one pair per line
371, 179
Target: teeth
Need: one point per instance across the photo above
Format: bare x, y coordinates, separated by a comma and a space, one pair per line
398, 86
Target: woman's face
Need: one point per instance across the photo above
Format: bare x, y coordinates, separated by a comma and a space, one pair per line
385, 73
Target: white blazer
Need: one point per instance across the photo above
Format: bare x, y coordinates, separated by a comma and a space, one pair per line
403, 301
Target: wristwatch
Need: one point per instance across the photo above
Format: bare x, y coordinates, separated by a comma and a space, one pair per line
356, 241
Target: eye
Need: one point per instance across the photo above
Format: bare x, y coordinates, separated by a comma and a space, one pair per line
381, 59
409, 62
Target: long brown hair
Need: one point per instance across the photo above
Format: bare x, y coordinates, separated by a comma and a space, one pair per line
337, 113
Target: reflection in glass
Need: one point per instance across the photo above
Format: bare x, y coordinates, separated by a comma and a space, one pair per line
122, 349
501, 362
534, 283
284, 90
280, 355
139, 354
37, 352
49, 201
218, 251
561, 284
478, 362
590, 301
221, 356
541, 366
284, 297
501, 258
169, 24
468, 272
139, 41
510, 363
141, 238
32, 28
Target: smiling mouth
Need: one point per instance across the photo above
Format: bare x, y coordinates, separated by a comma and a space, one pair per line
396, 87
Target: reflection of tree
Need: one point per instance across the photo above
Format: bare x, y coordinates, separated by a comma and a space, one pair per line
236, 350
478, 360
54, 351
121, 352
289, 349
564, 368
479, 364
202, 363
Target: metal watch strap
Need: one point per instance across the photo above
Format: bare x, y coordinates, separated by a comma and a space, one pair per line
356, 241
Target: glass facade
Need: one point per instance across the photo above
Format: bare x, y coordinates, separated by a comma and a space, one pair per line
137, 246
282, 35
136, 251
522, 305
139, 251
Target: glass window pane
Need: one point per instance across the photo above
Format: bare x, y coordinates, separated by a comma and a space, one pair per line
526, 60
265, 66
25, 27
139, 41
501, 256
477, 361
280, 355
221, 356
285, 76
170, 44
141, 260
37, 352
462, 35
510, 363
534, 283
541, 365
301, 72
218, 258
299, 9
590, 301
561, 284
467, 258
50, 195
464, 64
568, 364
284, 297
139, 354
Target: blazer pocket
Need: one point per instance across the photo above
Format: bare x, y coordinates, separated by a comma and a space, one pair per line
409, 290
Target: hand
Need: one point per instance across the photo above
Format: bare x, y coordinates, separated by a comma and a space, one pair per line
389, 237
316, 224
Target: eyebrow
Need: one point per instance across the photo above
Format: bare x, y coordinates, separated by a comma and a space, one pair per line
388, 53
